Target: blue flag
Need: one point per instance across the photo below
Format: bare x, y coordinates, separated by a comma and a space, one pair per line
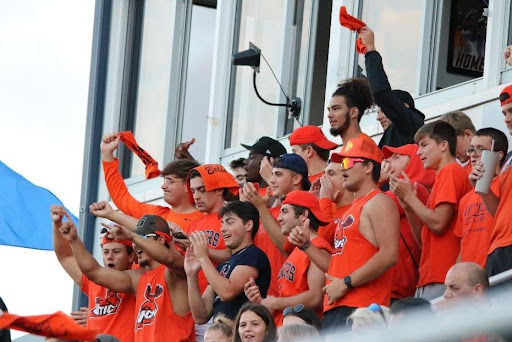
25, 212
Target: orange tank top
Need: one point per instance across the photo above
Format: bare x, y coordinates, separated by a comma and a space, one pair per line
293, 275
155, 319
109, 312
351, 251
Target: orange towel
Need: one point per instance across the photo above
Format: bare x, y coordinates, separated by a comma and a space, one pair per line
57, 325
214, 177
152, 170
354, 24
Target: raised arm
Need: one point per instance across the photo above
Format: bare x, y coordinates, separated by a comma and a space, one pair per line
104, 210
118, 281
62, 248
201, 306
490, 199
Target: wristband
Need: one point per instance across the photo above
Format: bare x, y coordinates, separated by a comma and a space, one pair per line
306, 246
348, 281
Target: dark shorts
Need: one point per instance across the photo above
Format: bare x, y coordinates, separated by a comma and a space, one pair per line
336, 318
499, 261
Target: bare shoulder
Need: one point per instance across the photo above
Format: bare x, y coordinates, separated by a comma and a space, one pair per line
380, 202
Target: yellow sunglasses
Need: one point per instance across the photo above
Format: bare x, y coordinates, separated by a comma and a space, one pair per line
348, 163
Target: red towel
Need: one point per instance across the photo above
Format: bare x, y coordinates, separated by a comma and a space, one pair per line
152, 170
57, 325
354, 24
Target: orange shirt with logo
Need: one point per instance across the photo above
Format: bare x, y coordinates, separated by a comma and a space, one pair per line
155, 319
109, 312
502, 233
351, 251
211, 225
293, 275
334, 214
263, 241
439, 252
130, 206
474, 226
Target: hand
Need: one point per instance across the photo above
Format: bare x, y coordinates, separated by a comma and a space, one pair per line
191, 265
402, 188
57, 213
252, 291
101, 209
384, 171
119, 232
299, 236
80, 316
508, 55
253, 196
266, 168
68, 229
476, 173
367, 38
327, 189
315, 188
181, 151
109, 143
335, 290
200, 243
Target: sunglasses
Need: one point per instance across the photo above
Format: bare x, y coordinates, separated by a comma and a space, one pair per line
147, 235
377, 309
293, 309
348, 162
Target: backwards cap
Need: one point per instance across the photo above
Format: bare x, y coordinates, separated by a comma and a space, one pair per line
295, 163
363, 147
307, 200
506, 95
153, 224
267, 146
311, 135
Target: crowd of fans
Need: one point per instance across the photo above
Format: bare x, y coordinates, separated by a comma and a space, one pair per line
298, 244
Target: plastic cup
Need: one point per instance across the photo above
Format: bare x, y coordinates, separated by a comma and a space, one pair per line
489, 159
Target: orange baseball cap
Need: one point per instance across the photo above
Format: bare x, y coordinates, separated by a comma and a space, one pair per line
408, 150
214, 177
506, 95
308, 200
363, 147
311, 134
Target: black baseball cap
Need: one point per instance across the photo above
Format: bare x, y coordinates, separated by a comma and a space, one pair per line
149, 224
267, 146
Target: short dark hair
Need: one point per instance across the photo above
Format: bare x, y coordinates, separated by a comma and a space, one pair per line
357, 93
313, 221
322, 152
235, 163
179, 168
264, 314
438, 131
375, 170
245, 210
500, 140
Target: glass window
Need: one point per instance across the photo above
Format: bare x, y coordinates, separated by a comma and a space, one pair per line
199, 74
153, 87
260, 22
398, 46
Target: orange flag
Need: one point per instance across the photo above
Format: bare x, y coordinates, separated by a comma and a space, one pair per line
57, 325
354, 24
152, 170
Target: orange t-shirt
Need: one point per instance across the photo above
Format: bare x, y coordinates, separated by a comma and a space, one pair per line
293, 275
155, 319
351, 251
211, 225
263, 241
130, 206
502, 233
334, 214
439, 252
313, 178
409, 251
109, 312
468, 167
474, 226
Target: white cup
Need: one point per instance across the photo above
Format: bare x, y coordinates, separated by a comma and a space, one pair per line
489, 159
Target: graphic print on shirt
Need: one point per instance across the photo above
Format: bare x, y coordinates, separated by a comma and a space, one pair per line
339, 236
148, 308
106, 306
474, 214
287, 271
213, 237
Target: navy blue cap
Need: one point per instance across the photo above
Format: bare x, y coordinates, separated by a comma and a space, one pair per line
296, 163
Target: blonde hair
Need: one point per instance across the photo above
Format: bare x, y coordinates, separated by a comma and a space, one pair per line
292, 332
224, 324
366, 317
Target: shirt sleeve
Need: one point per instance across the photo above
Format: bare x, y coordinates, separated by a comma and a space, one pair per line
451, 186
